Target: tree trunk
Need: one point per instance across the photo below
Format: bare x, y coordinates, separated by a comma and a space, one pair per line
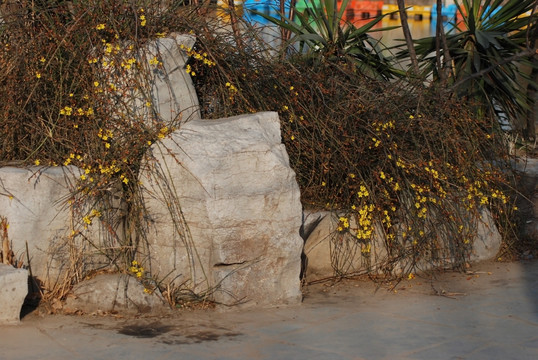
234, 23
532, 93
447, 58
438, 29
407, 35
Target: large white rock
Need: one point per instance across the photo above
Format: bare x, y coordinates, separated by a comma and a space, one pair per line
46, 232
329, 254
172, 90
13, 291
112, 292
229, 183
158, 89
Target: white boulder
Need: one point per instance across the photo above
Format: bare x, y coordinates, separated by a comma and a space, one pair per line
328, 253
46, 230
224, 211
13, 291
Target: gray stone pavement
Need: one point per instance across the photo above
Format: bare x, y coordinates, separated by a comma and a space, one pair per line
489, 313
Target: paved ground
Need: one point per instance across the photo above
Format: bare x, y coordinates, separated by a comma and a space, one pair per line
491, 313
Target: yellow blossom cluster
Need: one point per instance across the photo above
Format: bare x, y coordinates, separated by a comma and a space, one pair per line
189, 70
70, 158
155, 61
233, 90
343, 223
203, 57
87, 220
136, 269
128, 63
68, 111
365, 227
386, 220
363, 192
382, 127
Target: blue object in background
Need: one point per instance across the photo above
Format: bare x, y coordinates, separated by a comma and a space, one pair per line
269, 7
448, 12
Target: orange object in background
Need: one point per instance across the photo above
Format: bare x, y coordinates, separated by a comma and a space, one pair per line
360, 12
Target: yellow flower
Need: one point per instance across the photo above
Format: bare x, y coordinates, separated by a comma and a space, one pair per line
38, 74
363, 192
100, 27
42, 59
66, 111
37, 162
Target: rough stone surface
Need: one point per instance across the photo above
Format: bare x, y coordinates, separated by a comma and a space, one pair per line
488, 240
112, 293
34, 202
327, 256
230, 180
13, 291
172, 88
168, 87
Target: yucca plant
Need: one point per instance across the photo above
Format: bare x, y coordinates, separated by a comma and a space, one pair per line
321, 32
490, 50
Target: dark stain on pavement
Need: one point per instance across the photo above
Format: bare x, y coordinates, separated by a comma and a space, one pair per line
150, 330
203, 336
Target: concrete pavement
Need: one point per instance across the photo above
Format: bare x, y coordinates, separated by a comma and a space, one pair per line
489, 313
